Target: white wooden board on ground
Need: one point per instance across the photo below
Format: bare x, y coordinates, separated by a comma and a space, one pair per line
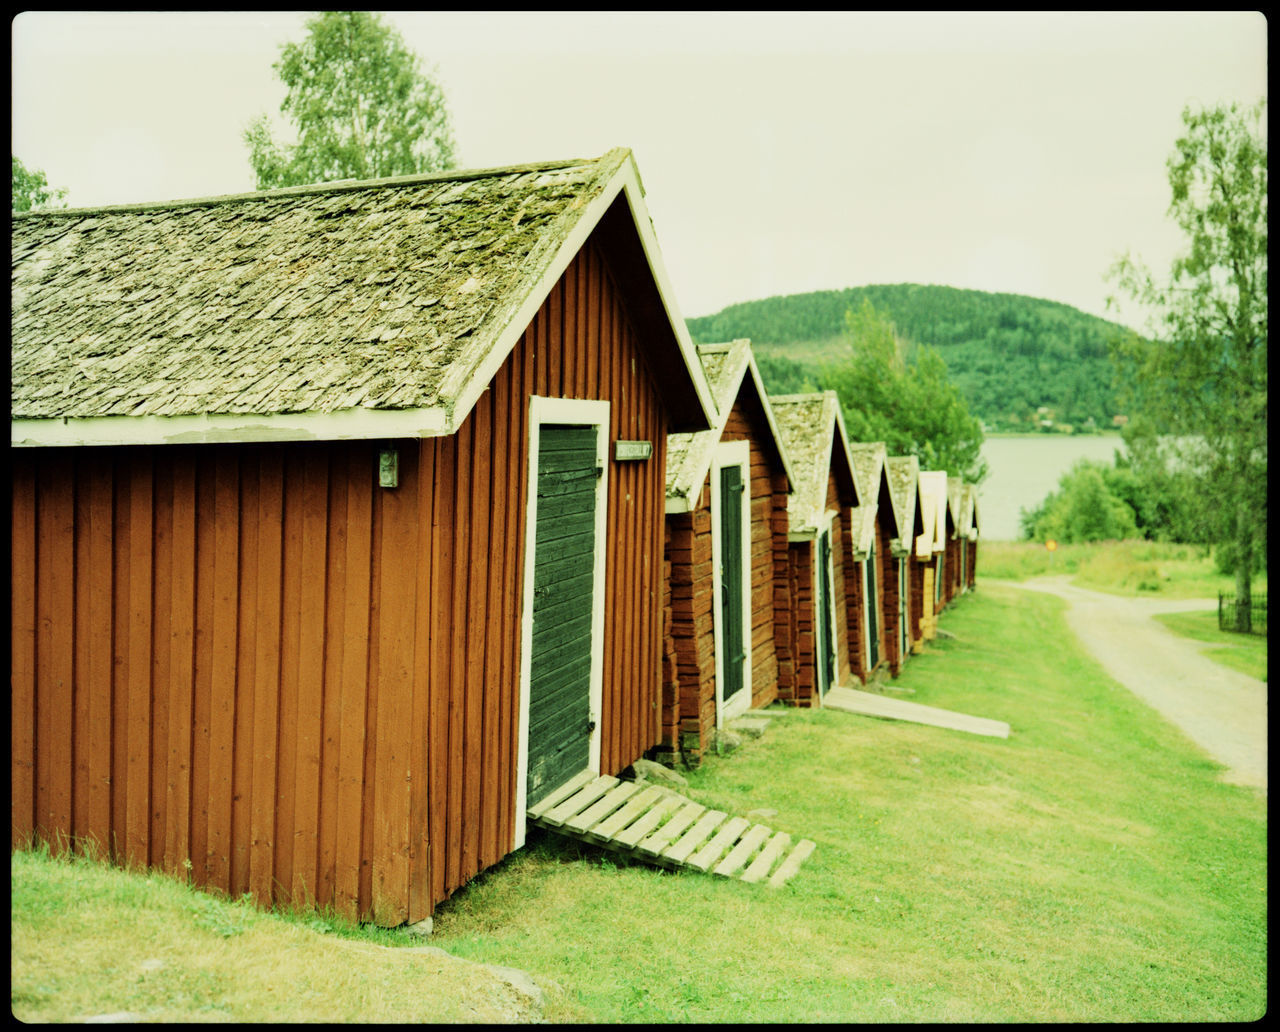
869, 704
654, 824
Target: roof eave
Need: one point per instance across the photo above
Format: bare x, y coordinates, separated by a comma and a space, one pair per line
222, 428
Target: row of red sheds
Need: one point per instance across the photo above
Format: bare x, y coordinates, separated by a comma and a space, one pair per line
349, 521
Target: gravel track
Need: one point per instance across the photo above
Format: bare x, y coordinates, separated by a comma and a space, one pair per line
1221, 710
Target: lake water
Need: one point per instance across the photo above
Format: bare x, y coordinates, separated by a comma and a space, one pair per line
1023, 468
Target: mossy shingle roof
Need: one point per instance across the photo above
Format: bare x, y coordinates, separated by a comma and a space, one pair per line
904, 475
727, 367
812, 430
868, 470
378, 295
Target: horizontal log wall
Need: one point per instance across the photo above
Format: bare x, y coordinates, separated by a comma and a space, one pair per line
799, 688
251, 660
915, 600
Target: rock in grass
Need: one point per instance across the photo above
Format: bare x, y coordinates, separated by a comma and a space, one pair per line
648, 770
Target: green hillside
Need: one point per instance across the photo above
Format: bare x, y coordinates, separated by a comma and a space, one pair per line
1007, 353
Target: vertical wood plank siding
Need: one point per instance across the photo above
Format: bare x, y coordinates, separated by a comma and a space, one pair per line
253, 660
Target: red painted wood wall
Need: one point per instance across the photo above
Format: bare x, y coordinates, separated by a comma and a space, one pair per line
253, 659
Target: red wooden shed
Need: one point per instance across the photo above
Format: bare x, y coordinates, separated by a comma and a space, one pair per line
904, 474
337, 522
971, 534
821, 565
726, 544
875, 585
955, 562
931, 547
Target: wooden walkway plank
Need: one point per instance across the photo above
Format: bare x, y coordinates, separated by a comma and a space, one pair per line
760, 866
601, 809
648, 822
740, 853
654, 824
791, 864
724, 838
659, 840
630, 812
561, 794
579, 801
694, 837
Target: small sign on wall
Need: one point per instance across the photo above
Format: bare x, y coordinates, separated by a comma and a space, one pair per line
631, 450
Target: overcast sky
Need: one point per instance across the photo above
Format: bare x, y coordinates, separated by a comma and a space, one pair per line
780, 153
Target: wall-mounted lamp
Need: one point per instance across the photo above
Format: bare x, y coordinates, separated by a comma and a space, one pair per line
388, 467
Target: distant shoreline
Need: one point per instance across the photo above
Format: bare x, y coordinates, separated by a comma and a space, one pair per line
1034, 435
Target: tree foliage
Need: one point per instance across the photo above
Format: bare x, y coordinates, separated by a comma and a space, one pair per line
359, 103
1084, 507
898, 392
32, 190
1200, 378
1007, 354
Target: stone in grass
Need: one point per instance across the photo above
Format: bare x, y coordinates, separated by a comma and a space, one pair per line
422, 928
762, 814
753, 727
648, 770
725, 741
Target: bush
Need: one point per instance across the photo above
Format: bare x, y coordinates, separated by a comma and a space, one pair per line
1083, 508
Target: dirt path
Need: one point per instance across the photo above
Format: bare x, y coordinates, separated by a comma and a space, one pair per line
1223, 711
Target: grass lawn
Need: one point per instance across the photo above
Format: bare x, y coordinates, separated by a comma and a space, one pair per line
1091, 867
1244, 652
1144, 568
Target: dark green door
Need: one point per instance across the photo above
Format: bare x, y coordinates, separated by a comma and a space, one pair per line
731, 570
563, 580
904, 630
873, 607
825, 659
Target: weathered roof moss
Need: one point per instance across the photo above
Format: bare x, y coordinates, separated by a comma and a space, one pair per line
316, 299
812, 430
727, 367
868, 470
904, 474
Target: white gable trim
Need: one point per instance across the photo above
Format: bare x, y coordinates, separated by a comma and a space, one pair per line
471, 384
356, 424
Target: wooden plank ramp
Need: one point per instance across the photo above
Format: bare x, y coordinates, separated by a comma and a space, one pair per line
657, 825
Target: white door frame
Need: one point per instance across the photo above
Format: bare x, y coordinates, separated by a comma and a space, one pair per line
872, 557
824, 527
582, 413
731, 453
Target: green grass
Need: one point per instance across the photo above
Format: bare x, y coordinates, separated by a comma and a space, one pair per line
1091, 867
1246, 653
88, 939
1142, 568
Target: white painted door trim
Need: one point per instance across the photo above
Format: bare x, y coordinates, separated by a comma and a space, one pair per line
581, 413
731, 453
824, 527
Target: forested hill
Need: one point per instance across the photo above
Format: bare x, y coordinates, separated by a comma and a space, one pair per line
1007, 353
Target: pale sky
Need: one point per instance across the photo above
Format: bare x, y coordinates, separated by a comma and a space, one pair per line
780, 153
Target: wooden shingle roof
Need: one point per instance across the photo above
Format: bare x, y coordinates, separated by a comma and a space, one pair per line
728, 367
933, 509
869, 471
969, 512
351, 309
904, 477
812, 428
